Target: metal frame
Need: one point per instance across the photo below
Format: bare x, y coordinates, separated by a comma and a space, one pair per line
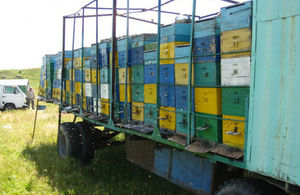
156, 136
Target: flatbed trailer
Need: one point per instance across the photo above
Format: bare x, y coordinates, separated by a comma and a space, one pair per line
265, 159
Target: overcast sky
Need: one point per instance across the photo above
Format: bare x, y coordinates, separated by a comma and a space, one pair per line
32, 28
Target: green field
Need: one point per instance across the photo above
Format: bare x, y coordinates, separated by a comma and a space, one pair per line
37, 169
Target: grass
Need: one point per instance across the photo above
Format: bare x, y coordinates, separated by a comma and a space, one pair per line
37, 169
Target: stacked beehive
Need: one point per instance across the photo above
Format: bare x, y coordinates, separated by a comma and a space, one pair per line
57, 73
104, 62
138, 45
121, 47
171, 36
235, 70
77, 75
207, 80
93, 78
150, 61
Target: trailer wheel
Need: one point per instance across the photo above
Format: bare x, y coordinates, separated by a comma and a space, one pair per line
248, 186
68, 141
9, 107
87, 141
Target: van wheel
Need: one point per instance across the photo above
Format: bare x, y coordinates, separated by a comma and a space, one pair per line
88, 143
9, 107
68, 141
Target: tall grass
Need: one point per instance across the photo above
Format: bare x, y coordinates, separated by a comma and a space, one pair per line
37, 169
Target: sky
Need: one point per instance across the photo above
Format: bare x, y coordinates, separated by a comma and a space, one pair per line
32, 28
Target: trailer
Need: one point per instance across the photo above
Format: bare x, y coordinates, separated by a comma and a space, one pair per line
208, 102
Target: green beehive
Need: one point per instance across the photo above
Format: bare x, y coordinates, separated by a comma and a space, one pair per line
234, 100
207, 74
150, 46
150, 114
209, 127
182, 122
138, 93
138, 74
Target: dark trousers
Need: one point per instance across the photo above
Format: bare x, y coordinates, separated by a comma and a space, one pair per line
30, 101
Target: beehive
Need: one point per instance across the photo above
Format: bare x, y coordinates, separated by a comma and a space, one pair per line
233, 131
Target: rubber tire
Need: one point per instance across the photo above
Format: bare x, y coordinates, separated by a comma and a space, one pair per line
68, 141
247, 186
88, 140
8, 107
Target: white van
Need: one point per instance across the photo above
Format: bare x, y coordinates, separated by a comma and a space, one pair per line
11, 97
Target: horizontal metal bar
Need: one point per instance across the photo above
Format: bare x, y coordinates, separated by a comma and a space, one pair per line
86, 16
107, 8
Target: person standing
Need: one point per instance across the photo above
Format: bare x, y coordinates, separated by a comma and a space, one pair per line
30, 98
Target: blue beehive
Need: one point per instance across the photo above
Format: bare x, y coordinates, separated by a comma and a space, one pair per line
182, 54
150, 73
122, 58
137, 56
176, 32
104, 52
236, 16
93, 60
208, 27
167, 95
181, 96
143, 39
206, 49
150, 57
121, 44
167, 74
104, 75
77, 75
78, 52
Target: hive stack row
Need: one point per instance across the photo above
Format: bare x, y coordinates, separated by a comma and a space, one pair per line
235, 69
219, 81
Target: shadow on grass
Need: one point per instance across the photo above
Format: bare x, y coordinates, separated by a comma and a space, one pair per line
109, 173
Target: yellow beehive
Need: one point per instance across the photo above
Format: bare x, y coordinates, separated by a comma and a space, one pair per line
77, 87
70, 74
167, 50
94, 76
138, 111
122, 93
87, 74
208, 100
233, 131
150, 93
182, 74
74, 98
105, 106
84, 103
236, 40
67, 60
68, 87
167, 117
122, 75
117, 59
77, 62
